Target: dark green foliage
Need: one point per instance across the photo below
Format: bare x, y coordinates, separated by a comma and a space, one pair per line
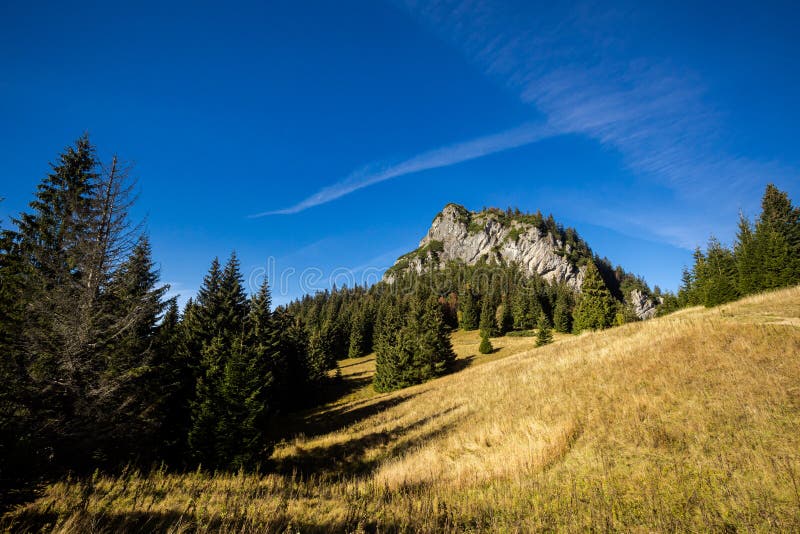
250, 363
485, 346
506, 317
392, 353
716, 275
764, 256
80, 308
525, 309
357, 345
488, 320
468, 311
562, 313
413, 350
544, 335
595, 309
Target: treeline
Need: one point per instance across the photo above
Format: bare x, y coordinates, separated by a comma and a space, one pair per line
99, 369
765, 255
497, 299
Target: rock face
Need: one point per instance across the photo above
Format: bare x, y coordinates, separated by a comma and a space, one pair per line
643, 307
457, 234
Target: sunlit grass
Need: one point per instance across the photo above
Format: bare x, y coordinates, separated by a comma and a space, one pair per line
686, 422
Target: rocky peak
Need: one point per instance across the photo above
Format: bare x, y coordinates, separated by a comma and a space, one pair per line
535, 243
495, 236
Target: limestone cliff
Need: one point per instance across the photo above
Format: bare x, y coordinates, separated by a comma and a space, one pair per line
538, 245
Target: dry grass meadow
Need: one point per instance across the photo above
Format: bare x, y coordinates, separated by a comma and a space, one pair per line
689, 422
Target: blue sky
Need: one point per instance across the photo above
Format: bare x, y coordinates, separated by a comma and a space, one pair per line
320, 137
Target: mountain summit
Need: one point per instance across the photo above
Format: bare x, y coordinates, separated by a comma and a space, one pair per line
537, 244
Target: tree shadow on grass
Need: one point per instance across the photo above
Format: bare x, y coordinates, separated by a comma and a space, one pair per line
461, 364
350, 457
339, 417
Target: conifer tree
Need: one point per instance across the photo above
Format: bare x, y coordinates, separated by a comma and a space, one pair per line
357, 343
294, 385
392, 351
595, 309
131, 353
488, 319
74, 347
411, 351
469, 314
506, 317
254, 380
522, 310
719, 282
747, 256
172, 383
485, 346
780, 216
562, 314
434, 352
217, 407
543, 333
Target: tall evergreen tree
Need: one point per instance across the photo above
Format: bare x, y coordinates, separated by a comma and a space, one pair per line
747, 258
393, 352
595, 309
84, 342
562, 313
218, 405
434, 352
357, 345
719, 281
506, 317
469, 314
543, 334
488, 319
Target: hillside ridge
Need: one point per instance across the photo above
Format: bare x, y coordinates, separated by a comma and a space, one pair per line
537, 244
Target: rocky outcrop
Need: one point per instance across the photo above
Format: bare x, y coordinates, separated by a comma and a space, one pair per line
457, 234
643, 306
538, 247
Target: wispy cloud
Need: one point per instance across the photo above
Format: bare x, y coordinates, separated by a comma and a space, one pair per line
575, 67
433, 159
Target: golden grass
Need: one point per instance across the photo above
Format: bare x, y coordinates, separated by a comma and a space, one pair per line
686, 422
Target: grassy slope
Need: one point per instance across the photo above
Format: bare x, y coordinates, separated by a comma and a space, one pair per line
691, 421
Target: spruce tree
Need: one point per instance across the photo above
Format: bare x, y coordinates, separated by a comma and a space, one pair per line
434, 352
747, 259
521, 309
218, 405
720, 280
413, 350
294, 386
131, 354
595, 309
255, 385
543, 334
357, 342
488, 318
562, 313
686, 291
172, 383
83, 345
469, 316
392, 350
506, 317
777, 238
485, 346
